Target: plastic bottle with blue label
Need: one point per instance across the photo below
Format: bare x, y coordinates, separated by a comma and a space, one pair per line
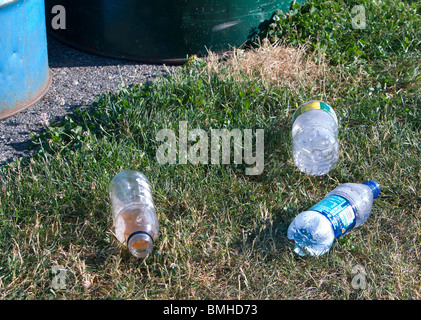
315, 146
342, 210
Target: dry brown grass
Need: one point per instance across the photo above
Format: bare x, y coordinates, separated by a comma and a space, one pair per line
278, 64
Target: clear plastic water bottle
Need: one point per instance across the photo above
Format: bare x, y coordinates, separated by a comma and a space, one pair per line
315, 145
341, 211
135, 221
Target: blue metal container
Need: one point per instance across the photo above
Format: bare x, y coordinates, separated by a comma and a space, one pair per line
24, 72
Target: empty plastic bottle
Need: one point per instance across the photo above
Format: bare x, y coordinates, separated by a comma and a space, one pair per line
342, 210
315, 145
135, 221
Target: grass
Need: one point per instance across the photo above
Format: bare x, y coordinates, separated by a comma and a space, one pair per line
223, 233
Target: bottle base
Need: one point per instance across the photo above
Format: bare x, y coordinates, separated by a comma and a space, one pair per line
312, 233
309, 166
314, 172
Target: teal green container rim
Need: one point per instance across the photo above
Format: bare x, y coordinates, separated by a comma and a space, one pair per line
163, 31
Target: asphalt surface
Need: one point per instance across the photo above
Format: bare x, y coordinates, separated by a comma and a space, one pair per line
78, 78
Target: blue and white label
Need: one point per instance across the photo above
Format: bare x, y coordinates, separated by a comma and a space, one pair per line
339, 212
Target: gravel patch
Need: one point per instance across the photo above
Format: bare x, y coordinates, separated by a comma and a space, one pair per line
78, 79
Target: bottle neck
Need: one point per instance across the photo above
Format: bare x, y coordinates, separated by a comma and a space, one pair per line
374, 186
140, 244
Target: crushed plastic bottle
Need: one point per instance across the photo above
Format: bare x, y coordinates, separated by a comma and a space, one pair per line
342, 210
135, 221
315, 145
